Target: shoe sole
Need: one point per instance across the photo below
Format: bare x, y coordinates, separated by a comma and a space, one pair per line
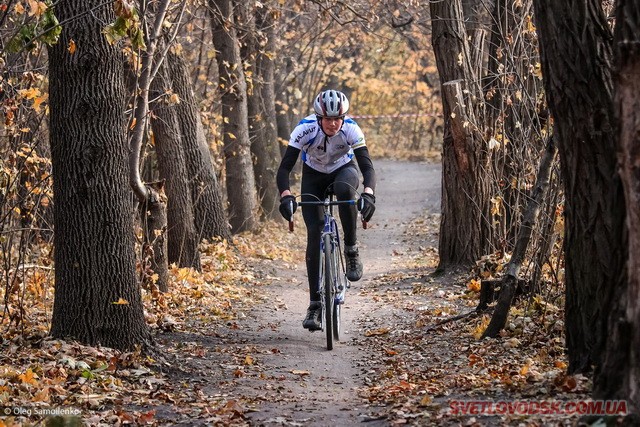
312, 328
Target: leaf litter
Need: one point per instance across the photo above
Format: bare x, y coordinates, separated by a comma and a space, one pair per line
414, 361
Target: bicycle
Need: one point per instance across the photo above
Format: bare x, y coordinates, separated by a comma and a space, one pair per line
333, 282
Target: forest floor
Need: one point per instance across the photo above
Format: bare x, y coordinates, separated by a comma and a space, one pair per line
231, 349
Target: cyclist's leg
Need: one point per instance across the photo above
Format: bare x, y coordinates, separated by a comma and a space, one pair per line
345, 186
313, 182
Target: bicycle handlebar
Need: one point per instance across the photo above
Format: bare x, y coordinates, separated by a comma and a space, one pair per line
328, 202
324, 203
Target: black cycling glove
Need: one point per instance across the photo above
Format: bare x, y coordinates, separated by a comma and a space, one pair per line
367, 206
288, 206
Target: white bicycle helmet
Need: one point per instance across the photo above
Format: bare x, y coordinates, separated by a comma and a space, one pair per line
331, 103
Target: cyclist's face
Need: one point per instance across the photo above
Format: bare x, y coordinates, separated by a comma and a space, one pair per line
331, 125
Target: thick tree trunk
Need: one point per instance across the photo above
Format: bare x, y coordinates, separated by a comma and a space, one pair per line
465, 229
206, 194
97, 296
618, 376
182, 241
241, 191
575, 45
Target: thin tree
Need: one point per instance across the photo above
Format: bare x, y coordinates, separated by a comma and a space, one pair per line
241, 190
97, 297
508, 284
262, 132
182, 245
210, 216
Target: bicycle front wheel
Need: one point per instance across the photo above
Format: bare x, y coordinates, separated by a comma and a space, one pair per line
329, 277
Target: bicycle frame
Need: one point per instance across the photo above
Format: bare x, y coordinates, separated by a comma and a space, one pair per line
333, 283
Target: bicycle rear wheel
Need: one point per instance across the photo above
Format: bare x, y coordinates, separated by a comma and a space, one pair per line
329, 302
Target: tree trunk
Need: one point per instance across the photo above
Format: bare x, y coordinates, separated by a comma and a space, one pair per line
241, 191
182, 241
576, 51
206, 194
618, 376
153, 215
269, 148
465, 229
97, 297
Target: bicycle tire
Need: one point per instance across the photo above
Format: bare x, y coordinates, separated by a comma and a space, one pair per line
321, 280
336, 322
329, 302
341, 283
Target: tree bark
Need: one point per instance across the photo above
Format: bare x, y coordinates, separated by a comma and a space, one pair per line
182, 241
465, 229
97, 296
618, 375
153, 214
263, 139
269, 148
241, 191
206, 193
576, 52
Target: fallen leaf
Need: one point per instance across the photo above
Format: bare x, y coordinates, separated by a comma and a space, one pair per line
375, 332
28, 377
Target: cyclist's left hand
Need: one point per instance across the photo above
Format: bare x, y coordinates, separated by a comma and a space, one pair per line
367, 206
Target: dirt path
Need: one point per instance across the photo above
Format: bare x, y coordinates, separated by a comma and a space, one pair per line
403, 359
300, 382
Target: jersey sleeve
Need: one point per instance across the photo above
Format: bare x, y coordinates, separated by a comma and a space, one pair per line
355, 136
286, 165
304, 131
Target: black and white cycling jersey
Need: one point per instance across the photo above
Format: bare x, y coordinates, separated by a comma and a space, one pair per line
326, 153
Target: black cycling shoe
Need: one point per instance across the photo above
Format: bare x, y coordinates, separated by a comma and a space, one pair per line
312, 322
354, 265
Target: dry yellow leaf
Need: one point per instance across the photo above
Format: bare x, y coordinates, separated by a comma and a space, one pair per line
72, 47
38, 101
30, 93
374, 332
42, 395
560, 364
426, 400
248, 360
36, 8
121, 301
474, 285
28, 377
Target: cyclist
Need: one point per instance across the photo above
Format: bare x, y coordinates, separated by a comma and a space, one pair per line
328, 140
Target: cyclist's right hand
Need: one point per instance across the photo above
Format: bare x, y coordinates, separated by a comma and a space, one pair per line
288, 206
